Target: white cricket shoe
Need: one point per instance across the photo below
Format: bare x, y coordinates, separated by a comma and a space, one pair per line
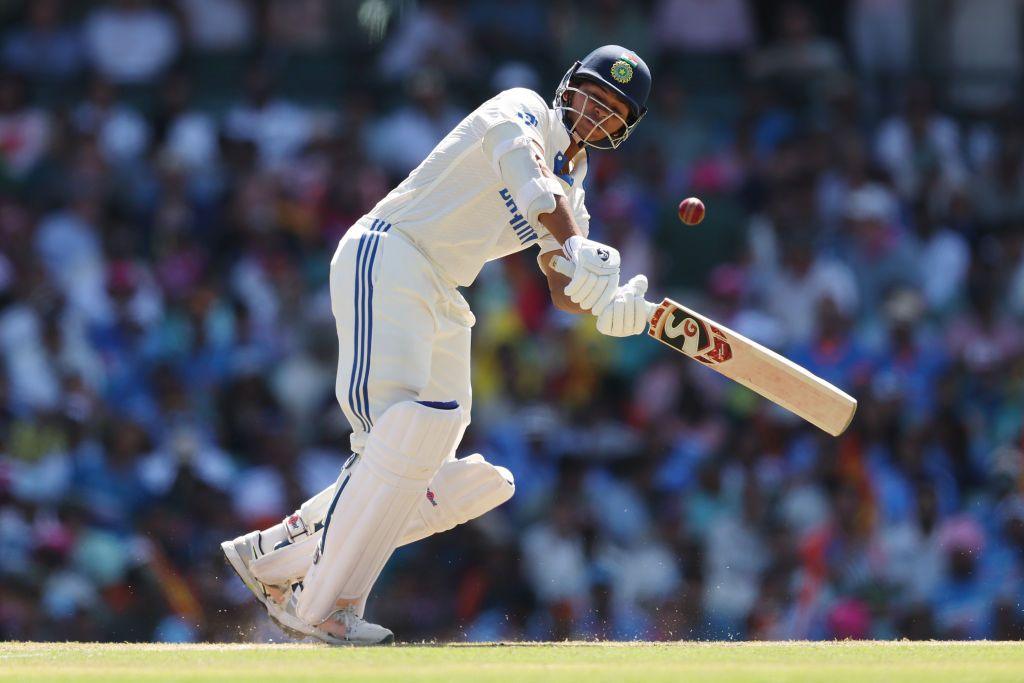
351, 629
239, 553
343, 627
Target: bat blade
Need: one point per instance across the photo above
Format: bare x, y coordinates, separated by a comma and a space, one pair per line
756, 367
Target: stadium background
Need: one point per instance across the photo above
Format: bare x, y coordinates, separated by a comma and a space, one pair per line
174, 177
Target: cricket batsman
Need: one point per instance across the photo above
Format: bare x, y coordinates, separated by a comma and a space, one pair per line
507, 178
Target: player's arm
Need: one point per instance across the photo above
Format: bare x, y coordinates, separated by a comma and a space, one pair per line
557, 283
518, 159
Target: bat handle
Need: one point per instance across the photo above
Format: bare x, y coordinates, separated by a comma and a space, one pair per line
651, 308
562, 265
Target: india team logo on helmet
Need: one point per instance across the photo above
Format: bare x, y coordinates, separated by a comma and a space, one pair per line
622, 69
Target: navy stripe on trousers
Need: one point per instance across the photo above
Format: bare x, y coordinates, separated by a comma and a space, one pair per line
334, 501
358, 388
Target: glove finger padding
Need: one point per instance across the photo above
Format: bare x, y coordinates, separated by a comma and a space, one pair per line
587, 300
604, 321
575, 283
639, 307
603, 297
628, 317
587, 283
638, 283
620, 316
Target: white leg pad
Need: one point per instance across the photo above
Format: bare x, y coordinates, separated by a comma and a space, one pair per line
373, 501
460, 491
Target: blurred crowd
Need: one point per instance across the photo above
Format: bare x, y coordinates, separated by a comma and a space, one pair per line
174, 177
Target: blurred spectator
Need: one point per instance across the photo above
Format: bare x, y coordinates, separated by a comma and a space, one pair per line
24, 129
984, 52
419, 124
880, 253
580, 28
964, 600
189, 135
512, 31
920, 145
699, 26
130, 41
218, 25
998, 190
123, 135
736, 556
46, 47
796, 286
68, 245
303, 25
277, 127
684, 138
516, 75
945, 260
882, 36
802, 60
433, 36
556, 566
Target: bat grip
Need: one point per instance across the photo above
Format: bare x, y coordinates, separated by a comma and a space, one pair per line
562, 265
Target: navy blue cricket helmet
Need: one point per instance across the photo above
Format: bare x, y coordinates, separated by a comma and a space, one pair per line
617, 69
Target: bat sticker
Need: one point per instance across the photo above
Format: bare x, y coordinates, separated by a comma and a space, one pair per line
695, 338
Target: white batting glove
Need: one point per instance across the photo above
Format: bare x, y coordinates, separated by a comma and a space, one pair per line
596, 276
627, 312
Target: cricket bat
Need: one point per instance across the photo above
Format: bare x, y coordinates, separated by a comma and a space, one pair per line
742, 360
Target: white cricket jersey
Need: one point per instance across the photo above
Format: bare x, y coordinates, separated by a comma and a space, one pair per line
454, 206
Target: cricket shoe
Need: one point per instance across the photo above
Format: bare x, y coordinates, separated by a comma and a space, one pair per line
343, 627
239, 553
350, 628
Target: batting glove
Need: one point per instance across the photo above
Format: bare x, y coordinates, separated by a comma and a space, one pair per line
596, 275
627, 312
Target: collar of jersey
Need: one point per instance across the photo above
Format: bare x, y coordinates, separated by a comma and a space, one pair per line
562, 140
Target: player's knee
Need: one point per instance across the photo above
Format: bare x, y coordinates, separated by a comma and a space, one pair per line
468, 488
506, 474
412, 438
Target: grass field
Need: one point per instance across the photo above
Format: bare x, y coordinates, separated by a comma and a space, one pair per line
933, 662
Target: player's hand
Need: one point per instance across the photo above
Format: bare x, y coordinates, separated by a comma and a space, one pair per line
596, 274
627, 312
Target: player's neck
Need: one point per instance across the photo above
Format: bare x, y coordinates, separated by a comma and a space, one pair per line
571, 152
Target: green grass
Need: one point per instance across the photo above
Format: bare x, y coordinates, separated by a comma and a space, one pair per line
934, 662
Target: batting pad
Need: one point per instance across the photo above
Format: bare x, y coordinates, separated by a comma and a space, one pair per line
460, 491
373, 501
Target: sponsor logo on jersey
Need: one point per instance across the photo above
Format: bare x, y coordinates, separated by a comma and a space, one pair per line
528, 118
524, 232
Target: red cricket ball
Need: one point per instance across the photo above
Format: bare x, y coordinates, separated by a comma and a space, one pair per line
691, 211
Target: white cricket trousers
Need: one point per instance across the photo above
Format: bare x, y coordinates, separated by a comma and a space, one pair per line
403, 331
